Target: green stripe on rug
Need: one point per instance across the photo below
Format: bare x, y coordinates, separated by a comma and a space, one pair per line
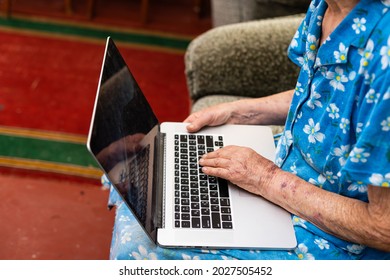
85, 32
45, 150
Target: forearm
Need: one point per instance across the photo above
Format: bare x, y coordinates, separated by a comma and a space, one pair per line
269, 110
347, 218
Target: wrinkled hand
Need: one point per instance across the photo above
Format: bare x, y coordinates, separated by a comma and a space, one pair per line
241, 166
211, 116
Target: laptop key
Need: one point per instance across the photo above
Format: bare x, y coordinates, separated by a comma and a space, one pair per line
227, 225
185, 224
226, 218
223, 188
225, 202
216, 220
206, 222
209, 141
195, 222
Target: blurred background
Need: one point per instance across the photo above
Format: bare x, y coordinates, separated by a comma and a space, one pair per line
52, 203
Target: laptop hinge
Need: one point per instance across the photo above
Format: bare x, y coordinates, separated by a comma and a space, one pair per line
159, 180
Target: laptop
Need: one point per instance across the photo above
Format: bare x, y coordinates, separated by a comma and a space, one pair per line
154, 168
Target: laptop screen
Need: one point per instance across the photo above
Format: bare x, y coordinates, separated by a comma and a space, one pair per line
122, 136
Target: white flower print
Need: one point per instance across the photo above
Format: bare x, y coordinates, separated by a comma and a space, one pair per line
302, 252
313, 131
386, 124
356, 248
337, 78
369, 78
278, 161
372, 97
227, 258
330, 177
319, 20
333, 111
359, 155
387, 94
342, 153
304, 28
358, 186
126, 237
308, 159
313, 101
303, 62
318, 62
143, 254
312, 6
299, 116
188, 258
367, 55
359, 128
293, 169
214, 252
124, 218
380, 180
312, 43
322, 243
385, 53
287, 138
359, 25
299, 221
298, 89
294, 42
344, 125
341, 55
352, 75
320, 181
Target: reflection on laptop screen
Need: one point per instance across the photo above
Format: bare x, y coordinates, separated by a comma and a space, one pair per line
123, 135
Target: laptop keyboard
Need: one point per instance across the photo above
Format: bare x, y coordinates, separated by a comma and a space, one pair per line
134, 180
201, 201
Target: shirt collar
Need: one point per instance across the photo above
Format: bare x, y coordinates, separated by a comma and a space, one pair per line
354, 30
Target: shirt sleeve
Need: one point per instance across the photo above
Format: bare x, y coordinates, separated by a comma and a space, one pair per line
369, 159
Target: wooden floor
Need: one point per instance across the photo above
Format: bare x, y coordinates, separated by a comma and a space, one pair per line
43, 217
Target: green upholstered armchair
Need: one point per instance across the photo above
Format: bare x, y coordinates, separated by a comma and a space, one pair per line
242, 60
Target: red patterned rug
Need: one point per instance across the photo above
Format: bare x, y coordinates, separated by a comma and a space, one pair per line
48, 84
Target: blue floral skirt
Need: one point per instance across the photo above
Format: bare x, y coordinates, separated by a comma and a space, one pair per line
130, 242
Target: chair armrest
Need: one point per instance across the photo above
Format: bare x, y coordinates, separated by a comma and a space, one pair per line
243, 59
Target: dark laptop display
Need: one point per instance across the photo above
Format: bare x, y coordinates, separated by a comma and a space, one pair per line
122, 120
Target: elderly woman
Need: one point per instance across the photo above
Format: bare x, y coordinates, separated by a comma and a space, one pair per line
333, 160
332, 168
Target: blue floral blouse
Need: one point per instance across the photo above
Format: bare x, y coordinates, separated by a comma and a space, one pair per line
337, 134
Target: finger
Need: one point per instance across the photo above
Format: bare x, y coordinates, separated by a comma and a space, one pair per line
215, 162
225, 152
206, 117
197, 122
216, 172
